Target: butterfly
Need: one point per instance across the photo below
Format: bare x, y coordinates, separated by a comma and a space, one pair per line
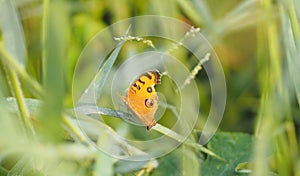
142, 99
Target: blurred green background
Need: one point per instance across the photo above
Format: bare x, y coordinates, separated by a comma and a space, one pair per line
258, 44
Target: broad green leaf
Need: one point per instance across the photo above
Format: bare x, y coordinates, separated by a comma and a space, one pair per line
12, 31
235, 148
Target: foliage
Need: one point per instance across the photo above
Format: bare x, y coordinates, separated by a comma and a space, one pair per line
258, 42
236, 149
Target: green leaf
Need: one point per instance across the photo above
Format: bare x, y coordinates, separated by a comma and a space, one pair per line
34, 105
291, 38
24, 167
245, 14
103, 161
92, 128
91, 109
190, 162
12, 31
92, 93
235, 148
15, 47
3, 171
21, 167
190, 11
53, 60
204, 11
169, 165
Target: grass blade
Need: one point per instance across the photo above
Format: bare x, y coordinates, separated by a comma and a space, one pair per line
243, 15
53, 61
291, 37
21, 167
190, 11
97, 84
104, 163
90, 110
12, 31
15, 46
204, 11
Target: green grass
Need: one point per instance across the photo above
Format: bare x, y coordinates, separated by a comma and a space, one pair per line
258, 43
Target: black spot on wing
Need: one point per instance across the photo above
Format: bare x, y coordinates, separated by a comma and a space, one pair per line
156, 75
149, 89
137, 86
148, 75
139, 80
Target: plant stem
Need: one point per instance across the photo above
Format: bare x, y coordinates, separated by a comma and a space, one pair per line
166, 131
75, 130
15, 83
11, 63
45, 21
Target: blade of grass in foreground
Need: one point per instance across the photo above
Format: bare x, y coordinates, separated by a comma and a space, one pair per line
89, 125
12, 31
290, 26
11, 63
53, 78
103, 162
13, 49
270, 73
15, 46
291, 37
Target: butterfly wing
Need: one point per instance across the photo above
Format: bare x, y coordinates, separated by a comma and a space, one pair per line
142, 98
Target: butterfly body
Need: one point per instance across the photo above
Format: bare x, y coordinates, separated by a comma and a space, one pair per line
142, 99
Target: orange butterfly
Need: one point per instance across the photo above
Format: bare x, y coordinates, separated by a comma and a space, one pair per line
142, 98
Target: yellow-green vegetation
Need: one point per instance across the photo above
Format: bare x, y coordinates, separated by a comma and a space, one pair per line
258, 44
